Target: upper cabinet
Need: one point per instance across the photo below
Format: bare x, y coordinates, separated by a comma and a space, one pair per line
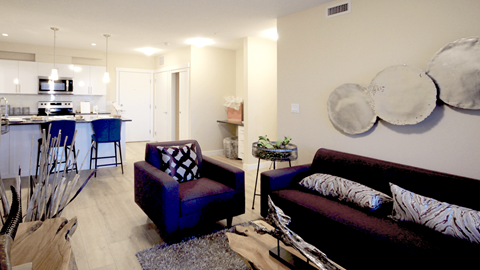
8, 77
21, 77
88, 80
18, 77
64, 70
27, 77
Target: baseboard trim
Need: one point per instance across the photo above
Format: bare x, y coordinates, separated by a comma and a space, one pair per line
213, 152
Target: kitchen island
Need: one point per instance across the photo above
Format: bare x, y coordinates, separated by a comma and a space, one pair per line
16, 149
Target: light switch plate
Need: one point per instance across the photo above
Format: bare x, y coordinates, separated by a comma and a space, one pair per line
295, 108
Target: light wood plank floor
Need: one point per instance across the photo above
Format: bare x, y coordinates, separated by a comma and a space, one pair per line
112, 228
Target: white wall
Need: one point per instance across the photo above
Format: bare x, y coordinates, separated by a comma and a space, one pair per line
260, 94
212, 79
239, 73
316, 55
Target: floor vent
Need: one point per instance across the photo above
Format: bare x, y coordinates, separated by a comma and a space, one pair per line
161, 60
340, 9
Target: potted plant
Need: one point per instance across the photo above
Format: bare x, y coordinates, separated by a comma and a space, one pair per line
281, 150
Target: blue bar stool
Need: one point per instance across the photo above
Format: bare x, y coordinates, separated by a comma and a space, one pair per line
106, 131
67, 128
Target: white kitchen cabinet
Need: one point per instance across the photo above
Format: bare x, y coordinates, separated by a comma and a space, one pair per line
96, 79
8, 77
81, 80
18, 77
64, 70
88, 80
27, 77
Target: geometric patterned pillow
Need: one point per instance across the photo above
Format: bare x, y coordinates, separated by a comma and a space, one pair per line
180, 162
457, 221
346, 190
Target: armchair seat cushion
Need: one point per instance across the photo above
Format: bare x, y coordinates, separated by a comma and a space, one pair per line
203, 195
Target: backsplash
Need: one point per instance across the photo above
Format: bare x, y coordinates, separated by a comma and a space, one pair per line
31, 101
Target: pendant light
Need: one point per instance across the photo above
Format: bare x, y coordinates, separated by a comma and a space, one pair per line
54, 75
106, 76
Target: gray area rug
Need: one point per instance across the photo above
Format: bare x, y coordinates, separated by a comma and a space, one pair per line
209, 251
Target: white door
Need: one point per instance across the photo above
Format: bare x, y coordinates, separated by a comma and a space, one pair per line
136, 99
162, 104
184, 104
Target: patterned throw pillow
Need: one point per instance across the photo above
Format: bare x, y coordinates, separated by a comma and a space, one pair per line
180, 162
457, 221
346, 190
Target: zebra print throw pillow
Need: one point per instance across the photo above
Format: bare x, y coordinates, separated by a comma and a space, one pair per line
457, 221
346, 190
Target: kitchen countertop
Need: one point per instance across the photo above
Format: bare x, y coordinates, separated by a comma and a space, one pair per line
16, 121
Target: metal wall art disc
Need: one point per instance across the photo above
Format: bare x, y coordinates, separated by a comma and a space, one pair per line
456, 70
349, 109
402, 95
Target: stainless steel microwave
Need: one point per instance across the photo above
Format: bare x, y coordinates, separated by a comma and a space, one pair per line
62, 86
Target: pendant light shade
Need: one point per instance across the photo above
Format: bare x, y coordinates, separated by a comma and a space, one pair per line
106, 76
54, 75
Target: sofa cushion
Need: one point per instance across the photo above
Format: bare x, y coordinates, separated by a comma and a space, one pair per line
346, 190
203, 195
180, 162
457, 221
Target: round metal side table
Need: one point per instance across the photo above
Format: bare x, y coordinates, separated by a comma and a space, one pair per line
288, 153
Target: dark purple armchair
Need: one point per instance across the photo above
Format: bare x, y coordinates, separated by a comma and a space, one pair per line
173, 206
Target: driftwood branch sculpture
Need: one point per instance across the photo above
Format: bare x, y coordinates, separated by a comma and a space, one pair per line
9, 230
279, 220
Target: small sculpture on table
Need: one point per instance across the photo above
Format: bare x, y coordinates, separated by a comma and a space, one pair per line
279, 220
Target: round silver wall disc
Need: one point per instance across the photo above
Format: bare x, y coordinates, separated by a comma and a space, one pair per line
349, 109
402, 95
456, 70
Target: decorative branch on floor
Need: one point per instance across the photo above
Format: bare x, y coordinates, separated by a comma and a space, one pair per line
53, 188
279, 220
9, 229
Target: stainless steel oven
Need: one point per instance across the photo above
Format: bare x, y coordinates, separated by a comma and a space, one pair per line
62, 86
55, 108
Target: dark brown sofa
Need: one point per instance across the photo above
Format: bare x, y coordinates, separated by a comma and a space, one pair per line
359, 239
175, 207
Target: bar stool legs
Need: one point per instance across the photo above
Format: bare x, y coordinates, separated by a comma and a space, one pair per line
54, 165
96, 157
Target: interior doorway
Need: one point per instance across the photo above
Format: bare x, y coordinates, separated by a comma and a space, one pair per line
172, 120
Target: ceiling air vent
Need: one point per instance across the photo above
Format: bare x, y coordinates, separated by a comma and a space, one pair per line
161, 60
340, 9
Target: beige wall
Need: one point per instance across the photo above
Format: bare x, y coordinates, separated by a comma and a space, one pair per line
316, 55
239, 73
260, 94
212, 79
175, 57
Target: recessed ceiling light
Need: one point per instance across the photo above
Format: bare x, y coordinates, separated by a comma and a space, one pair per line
200, 42
272, 34
93, 44
148, 51
5, 35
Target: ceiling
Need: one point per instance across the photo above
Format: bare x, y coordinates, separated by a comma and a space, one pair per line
135, 24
